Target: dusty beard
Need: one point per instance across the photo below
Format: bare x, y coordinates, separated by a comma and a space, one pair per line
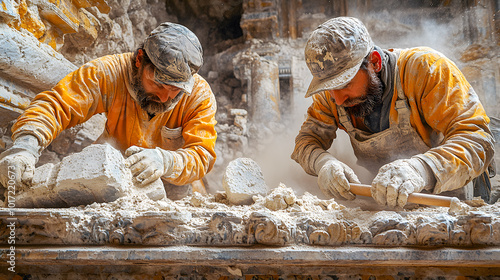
366, 104
148, 101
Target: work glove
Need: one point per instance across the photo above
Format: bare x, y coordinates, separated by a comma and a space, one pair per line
17, 164
334, 177
397, 180
147, 165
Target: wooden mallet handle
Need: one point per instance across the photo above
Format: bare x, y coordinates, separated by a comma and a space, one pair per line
419, 198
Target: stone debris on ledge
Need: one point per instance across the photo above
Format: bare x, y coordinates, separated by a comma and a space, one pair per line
277, 219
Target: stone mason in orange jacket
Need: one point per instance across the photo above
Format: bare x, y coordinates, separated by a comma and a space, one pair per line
159, 111
411, 116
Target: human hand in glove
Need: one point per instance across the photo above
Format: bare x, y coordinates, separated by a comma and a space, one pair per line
147, 165
397, 180
17, 164
334, 177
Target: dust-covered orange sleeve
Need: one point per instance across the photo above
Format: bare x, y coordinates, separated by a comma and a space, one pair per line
317, 133
443, 103
76, 98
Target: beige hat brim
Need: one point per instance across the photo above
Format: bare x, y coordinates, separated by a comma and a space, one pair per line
318, 85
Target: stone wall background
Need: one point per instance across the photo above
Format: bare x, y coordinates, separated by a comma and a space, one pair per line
236, 35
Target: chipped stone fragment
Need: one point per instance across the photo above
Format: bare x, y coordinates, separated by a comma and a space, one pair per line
155, 190
242, 180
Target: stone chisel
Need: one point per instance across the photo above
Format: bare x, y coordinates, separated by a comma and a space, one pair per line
419, 198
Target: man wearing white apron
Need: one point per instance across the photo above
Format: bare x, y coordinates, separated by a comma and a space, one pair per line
411, 116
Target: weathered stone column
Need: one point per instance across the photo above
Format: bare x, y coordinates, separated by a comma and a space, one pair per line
265, 92
262, 78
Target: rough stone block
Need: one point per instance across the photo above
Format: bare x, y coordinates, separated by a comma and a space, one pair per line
8, 11
87, 31
242, 180
43, 182
25, 61
155, 190
39, 193
44, 175
58, 18
96, 174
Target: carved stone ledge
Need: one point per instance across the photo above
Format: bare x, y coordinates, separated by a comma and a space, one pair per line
296, 262
206, 227
279, 236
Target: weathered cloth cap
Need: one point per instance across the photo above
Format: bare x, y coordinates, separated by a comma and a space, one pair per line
335, 51
176, 54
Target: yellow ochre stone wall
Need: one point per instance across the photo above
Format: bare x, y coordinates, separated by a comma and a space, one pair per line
49, 20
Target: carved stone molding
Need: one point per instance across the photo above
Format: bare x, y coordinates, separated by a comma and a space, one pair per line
79, 226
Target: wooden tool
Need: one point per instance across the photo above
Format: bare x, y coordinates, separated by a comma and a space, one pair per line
419, 198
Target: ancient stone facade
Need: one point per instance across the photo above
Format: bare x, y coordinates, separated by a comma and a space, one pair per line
281, 235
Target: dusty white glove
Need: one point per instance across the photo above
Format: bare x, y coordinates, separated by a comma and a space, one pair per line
398, 179
17, 164
147, 165
334, 177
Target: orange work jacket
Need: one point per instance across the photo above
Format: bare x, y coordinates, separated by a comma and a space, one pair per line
103, 86
445, 112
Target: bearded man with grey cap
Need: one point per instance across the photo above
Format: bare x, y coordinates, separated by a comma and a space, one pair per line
159, 111
412, 118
